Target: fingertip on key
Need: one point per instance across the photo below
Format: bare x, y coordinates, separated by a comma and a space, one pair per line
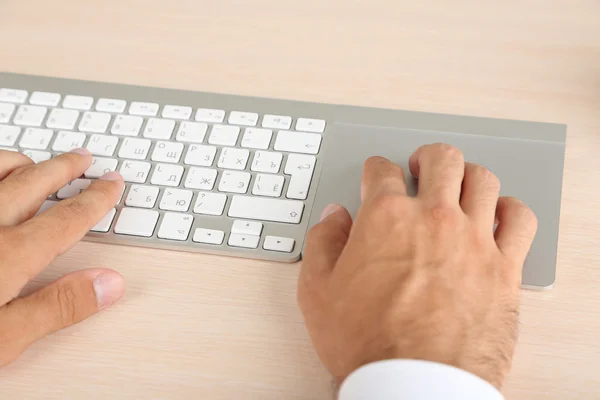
111, 176
82, 152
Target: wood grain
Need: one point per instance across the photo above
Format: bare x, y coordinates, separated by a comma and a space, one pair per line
196, 326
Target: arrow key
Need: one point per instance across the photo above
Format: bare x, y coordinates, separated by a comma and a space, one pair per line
245, 241
208, 236
247, 227
281, 244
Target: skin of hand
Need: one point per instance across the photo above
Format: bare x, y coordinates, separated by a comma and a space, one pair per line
423, 277
28, 243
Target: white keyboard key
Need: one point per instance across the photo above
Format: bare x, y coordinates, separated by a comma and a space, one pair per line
310, 125
101, 166
232, 158
210, 203
281, 244
301, 168
247, 227
200, 178
60, 118
136, 222
257, 138
30, 115
35, 138
67, 141
175, 226
298, 142
268, 185
158, 128
105, 223
202, 156
135, 171
102, 145
73, 188
300, 164
177, 112
167, 152
135, 149
167, 175
246, 241
9, 149
37, 156
13, 95
143, 109
111, 105
6, 111
126, 125
46, 205
210, 115
266, 161
243, 118
299, 186
142, 196
176, 200
277, 122
208, 236
82, 103
234, 182
224, 135
265, 209
191, 132
9, 134
44, 99
94, 122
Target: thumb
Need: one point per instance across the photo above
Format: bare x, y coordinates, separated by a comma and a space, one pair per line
65, 302
326, 240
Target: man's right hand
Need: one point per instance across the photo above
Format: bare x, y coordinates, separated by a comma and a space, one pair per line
422, 278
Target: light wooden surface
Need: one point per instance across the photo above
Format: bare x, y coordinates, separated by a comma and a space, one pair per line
203, 327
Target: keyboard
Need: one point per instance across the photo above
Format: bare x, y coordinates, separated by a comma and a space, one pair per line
199, 176
248, 176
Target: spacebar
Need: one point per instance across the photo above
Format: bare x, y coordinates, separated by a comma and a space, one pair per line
248, 207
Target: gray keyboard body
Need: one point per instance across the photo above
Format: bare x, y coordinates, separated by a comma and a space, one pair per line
527, 157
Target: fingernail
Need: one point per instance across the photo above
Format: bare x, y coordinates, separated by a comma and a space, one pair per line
81, 151
111, 176
330, 209
109, 287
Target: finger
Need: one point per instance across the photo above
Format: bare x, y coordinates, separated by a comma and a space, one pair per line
439, 169
25, 189
59, 228
10, 161
64, 302
326, 241
479, 196
381, 176
516, 229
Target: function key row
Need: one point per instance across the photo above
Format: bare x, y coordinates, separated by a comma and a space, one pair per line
144, 109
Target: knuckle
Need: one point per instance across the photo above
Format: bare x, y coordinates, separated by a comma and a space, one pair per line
522, 211
443, 215
73, 208
486, 177
21, 176
389, 205
449, 151
66, 301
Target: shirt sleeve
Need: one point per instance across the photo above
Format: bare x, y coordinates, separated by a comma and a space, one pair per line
415, 380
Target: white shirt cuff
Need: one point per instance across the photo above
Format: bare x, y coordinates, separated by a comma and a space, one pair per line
415, 380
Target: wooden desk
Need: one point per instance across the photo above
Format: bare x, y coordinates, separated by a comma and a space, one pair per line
203, 327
